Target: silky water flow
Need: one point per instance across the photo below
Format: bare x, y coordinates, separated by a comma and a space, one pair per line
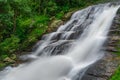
69, 51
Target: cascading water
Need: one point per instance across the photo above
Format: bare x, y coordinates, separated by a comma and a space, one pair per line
78, 44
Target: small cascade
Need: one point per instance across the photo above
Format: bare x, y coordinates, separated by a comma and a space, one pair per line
67, 53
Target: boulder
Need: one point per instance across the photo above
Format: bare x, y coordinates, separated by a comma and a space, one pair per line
54, 25
9, 60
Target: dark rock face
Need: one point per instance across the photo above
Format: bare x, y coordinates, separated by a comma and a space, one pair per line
58, 47
104, 68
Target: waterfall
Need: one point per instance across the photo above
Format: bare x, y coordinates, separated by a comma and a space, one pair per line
69, 51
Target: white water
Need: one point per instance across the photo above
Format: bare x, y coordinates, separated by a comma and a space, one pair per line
84, 52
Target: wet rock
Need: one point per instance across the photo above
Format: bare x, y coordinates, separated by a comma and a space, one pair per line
111, 42
57, 48
111, 49
115, 31
89, 77
54, 25
102, 69
115, 38
7, 59
68, 15
13, 57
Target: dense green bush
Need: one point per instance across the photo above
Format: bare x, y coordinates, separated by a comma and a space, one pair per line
60, 15
9, 45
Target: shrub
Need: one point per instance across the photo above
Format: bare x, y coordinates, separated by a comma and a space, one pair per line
9, 45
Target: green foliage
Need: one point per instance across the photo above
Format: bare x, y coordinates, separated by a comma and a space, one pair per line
41, 19
2, 65
116, 75
4, 56
35, 30
9, 45
23, 23
65, 9
51, 8
59, 15
23, 28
